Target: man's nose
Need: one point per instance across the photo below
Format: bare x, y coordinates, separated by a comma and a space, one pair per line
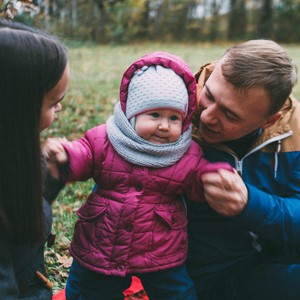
210, 114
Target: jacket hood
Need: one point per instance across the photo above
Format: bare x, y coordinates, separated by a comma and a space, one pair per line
166, 60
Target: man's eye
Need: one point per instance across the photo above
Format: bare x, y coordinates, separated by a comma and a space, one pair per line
209, 96
230, 118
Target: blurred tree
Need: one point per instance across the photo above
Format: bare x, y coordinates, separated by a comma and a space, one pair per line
215, 7
265, 22
159, 20
133, 21
286, 15
11, 9
123, 21
237, 20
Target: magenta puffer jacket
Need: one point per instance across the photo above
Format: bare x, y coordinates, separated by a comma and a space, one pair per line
135, 221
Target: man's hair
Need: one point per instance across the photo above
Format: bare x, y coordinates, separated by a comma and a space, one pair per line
261, 63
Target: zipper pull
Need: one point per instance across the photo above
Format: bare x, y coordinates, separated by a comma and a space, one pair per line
239, 166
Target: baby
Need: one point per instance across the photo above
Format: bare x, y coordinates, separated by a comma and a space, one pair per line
142, 160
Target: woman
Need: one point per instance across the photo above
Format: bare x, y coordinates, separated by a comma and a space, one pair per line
34, 75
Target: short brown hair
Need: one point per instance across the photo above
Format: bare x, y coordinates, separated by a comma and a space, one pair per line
261, 63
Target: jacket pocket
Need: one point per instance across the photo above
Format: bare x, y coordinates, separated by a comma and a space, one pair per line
169, 240
87, 234
90, 211
173, 220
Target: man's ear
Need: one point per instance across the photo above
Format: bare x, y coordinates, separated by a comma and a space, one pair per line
271, 120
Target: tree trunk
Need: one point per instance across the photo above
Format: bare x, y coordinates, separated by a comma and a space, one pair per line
265, 22
74, 14
237, 23
47, 17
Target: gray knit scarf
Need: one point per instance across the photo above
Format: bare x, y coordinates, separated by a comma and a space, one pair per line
140, 152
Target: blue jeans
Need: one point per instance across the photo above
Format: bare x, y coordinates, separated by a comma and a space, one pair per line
259, 281
170, 284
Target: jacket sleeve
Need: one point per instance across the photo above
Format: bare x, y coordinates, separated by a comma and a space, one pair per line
274, 218
8, 284
273, 209
52, 188
195, 191
81, 157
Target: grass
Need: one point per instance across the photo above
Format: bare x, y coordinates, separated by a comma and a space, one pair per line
96, 72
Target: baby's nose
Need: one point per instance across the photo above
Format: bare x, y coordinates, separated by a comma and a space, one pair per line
164, 125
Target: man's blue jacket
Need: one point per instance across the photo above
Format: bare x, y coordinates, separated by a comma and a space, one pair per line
269, 226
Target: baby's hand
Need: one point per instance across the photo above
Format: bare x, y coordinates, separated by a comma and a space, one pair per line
225, 192
55, 155
54, 151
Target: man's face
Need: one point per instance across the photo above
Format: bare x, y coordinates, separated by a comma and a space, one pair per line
228, 113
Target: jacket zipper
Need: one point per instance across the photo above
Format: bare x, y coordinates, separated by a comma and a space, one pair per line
239, 167
239, 163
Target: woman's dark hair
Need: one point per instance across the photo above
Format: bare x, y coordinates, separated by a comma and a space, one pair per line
31, 64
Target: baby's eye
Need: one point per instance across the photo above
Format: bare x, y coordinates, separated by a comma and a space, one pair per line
154, 115
174, 118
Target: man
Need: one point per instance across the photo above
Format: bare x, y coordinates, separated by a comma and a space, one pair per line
245, 242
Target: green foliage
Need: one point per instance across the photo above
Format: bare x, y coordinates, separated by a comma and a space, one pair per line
57, 258
127, 21
96, 73
286, 16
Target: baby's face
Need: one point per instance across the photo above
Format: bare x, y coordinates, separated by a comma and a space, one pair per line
159, 126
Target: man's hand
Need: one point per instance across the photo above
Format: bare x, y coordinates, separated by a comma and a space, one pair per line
225, 192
